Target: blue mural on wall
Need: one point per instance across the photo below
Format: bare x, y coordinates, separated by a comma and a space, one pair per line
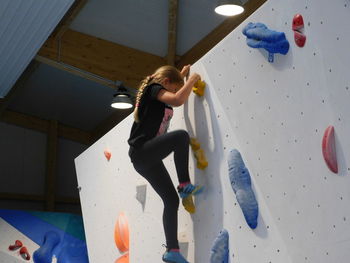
58, 234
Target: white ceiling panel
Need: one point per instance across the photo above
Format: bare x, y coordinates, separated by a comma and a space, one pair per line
139, 24
143, 24
24, 27
196, 19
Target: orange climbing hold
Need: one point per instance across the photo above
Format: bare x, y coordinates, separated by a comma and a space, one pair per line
121, 233
108, 154
329, 150
123, 259
198, 88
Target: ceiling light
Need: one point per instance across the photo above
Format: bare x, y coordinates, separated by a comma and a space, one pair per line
229, 7
122, 99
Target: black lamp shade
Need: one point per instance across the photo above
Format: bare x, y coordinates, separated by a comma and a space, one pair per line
122, 99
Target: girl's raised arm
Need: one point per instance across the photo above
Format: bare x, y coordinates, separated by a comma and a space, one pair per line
180, 97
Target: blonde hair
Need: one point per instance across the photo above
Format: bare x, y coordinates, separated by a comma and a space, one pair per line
170, 72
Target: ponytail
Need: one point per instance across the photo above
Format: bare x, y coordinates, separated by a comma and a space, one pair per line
144, 84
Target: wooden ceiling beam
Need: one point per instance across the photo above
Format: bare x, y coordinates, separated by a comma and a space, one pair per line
21, 197
51, 164
38, 198
75, 71
172, 31
68, 18
25, 121
100, 57
67, 200
220, 32
74, 134
41, 125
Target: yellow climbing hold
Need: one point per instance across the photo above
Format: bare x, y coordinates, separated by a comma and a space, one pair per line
199, 154
202, 162
198, 88
188, 204
195, 144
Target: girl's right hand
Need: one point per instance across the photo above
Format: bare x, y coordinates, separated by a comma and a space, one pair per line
194, 77
185, 71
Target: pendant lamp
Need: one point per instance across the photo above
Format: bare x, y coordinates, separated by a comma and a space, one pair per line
229, 7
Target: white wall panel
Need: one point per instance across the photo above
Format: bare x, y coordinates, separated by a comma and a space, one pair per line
108, 188
279, 113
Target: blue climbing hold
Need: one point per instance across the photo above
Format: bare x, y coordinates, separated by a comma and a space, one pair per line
73, 253
44, 253
241, 185
220, 251
259, 36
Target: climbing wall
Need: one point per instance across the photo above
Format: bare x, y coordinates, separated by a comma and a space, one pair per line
109, 188
275, 114
279, 112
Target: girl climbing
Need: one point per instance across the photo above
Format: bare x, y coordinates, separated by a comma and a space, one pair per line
150, 144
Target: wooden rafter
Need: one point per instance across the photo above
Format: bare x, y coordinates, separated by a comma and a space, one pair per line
68, 18
103, 58
172, 31
50, 182
19, 85
215, 36
41, 125
75, 71
38, 198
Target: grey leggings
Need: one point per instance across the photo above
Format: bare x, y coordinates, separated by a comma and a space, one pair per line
147, 161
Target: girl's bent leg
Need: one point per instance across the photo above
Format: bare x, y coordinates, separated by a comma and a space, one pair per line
161, 146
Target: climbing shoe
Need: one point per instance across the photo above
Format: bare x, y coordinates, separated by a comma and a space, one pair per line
189, 189
186, 193
173, 257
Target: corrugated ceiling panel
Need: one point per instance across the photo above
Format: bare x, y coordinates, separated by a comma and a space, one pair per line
24, 27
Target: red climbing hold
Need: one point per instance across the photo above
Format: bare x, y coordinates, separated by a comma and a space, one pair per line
17, 245
299, 39
24, 252
328, 149
298, 28
108, 154
298, 22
